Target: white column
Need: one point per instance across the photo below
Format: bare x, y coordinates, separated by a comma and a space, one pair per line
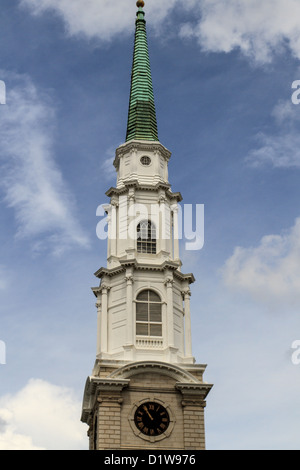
164, 223
113, 229
122, 224
165, 324
170, 314
129, 308
188, 324
98, 305
175, 232
107, 209
131, 234
104, 320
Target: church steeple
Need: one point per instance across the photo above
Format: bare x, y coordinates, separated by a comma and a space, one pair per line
146, 391
142, 123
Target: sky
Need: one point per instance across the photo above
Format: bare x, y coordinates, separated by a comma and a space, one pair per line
223, 76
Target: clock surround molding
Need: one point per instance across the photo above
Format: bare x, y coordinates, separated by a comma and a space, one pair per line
165, 405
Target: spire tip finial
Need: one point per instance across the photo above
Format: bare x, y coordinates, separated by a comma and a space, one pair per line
140, 3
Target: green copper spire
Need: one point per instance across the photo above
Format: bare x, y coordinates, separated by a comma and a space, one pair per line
142, 123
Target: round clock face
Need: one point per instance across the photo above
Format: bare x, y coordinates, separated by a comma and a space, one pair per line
152, 419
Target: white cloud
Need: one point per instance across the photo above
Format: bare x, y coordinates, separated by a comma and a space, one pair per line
103, 19
41, 416
281, 149
284, 111
270, 272
31, 180
107, 167
259, 29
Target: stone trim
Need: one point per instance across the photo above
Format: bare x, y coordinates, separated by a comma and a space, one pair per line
93, 386
142, 267
190, 389
177, 373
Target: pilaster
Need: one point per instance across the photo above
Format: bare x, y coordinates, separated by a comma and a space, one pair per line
129, 279
170, 315
109, 402
187, 322
102, 314
193, 405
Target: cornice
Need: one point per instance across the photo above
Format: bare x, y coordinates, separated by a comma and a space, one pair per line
190, 390
144, 187
109, 272
185, 277
166, 265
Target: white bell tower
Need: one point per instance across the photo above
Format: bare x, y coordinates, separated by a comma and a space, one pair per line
143, 299
144, 363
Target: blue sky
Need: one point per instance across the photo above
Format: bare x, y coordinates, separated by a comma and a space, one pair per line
222, 79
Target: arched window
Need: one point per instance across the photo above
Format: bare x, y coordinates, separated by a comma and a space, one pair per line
148, 314
146, 237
